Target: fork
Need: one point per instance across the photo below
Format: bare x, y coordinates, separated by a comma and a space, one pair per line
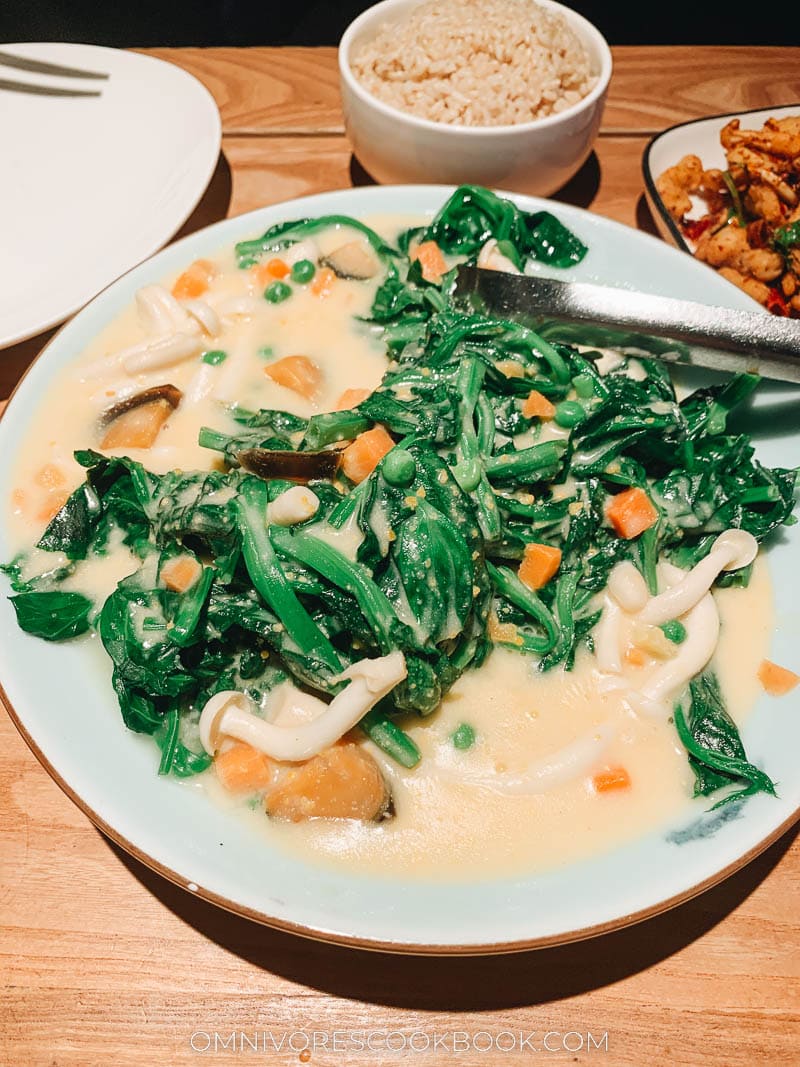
37, 66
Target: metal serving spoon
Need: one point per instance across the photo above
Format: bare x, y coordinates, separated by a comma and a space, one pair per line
678, 331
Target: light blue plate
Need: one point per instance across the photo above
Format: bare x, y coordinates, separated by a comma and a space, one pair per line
64, 706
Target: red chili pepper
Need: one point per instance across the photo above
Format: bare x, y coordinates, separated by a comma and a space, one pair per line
775, 302
694, 228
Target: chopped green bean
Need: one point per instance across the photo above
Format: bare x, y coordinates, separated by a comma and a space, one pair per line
390, 738
537, 462
583, 385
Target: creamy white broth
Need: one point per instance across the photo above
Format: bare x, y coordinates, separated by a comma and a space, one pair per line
448, 827
448, 823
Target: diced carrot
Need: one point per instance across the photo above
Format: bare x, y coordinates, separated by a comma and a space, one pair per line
611, 780
631, 512
139, 426
55, 502
180, 573
361, 458
537, 406
777, 681
50, 476
431, 260
18, 498
277, 268
297, 373
194, 281
351, 398
343, 782
539, 564
635, 656
267, 272
323, 282
243, 769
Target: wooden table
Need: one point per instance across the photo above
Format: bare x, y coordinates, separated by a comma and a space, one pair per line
106, 963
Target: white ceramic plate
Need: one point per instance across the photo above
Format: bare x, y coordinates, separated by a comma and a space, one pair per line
90, 186
64, 705
700, 138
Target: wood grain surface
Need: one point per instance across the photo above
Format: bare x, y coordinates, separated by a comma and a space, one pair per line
104, 962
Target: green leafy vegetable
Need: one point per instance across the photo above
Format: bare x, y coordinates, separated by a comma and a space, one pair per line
786, 238
285, 234
716, 752
54, 616
736, 199
472, 215
422, 556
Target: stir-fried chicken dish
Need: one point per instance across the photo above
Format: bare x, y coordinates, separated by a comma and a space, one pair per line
748, 227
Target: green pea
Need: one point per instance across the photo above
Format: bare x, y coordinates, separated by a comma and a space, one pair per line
569, 413
266, 352
277, 292
215, 357
399, 467
463, 737
584, 385
675, 631
303, 271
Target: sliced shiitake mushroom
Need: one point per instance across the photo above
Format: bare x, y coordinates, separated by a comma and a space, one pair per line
343, 782
291, 466
355, 261
136, 421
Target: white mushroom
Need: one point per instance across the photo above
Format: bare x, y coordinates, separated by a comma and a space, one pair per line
205, 315
626, 593
200, 384
557, 769
490, 258
306, 249
159, 312
731, 550
292, 506
239, 307
627, 586
608, 637
229, 713
656, 696
164, 352
687, 596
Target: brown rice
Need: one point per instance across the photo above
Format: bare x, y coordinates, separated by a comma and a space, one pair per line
476, 62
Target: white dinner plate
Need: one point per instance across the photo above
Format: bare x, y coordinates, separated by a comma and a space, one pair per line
700, 137
62, 701
90, 186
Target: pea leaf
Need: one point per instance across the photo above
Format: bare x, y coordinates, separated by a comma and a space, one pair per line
434, 565
54, 616
716, 752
